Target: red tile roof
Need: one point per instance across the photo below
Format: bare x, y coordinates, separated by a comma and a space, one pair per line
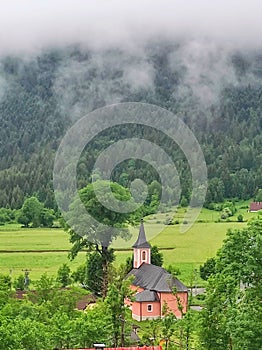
255, 206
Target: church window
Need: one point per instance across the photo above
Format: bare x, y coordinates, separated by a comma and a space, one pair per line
143, 256
149, 307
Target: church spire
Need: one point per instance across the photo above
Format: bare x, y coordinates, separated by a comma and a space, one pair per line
142, 251
141, 241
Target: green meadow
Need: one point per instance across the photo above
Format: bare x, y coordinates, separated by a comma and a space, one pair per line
45, 250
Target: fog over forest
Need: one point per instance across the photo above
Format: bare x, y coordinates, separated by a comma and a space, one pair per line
29, 26
60, 60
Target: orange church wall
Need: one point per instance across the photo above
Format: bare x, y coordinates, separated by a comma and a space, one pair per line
140, 311
172, 301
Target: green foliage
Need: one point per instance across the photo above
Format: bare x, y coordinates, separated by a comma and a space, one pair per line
184, 202
258, 197
108, 224
98, 234
46, 289
232, 314
30, 212
173, 270
52, 322
240, 218
156, 256
228, 209
6, 215
63, 276
80, 274
245, 323
215, 191
168, 325
5, 289
94, 273
129, 264
118, 291
5, 282
33, 212
47, 217
24, 334
19, 282
208, 269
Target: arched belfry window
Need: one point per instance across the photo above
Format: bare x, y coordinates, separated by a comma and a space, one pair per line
143, 256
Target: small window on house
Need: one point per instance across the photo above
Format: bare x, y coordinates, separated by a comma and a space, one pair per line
143, 256
149, 307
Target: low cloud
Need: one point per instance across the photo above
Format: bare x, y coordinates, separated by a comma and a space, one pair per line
29, 26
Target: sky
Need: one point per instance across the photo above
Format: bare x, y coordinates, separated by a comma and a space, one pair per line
31, 25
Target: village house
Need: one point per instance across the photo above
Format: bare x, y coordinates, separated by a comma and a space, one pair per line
255, 206
154, 286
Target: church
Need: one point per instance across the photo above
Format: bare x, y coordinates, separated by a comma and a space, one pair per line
154, 287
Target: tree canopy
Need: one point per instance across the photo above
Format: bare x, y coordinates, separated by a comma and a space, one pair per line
98, 230
232, 316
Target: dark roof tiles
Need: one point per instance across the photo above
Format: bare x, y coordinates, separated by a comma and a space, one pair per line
141, 241
146, 295
155, 278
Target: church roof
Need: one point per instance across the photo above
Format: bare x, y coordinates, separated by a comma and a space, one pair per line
146, 295
141, 241
155, 278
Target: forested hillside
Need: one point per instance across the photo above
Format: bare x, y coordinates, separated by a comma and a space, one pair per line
217, 93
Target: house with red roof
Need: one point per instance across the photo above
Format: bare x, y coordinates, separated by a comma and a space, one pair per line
255, 206
154, 287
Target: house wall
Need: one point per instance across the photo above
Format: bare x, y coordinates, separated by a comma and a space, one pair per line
140, 310
172, 301
255, 206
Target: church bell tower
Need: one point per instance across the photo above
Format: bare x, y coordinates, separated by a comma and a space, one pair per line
142, 249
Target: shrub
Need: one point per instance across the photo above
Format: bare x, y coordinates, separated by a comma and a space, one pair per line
240, 218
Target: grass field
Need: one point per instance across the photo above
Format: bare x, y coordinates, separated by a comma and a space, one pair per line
22, 239
189, 249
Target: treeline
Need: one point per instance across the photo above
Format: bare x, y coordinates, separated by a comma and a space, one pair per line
44, 95
33, 213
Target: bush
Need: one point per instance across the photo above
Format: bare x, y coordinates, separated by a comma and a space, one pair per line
240, 218
231, 206
218, 207
226, 213
6, 215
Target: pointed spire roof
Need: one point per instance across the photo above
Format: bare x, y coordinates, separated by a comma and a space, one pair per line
141, 241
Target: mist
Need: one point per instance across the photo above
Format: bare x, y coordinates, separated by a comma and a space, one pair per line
29, 26
117, 35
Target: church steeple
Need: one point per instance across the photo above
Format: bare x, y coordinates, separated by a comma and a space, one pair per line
142, 249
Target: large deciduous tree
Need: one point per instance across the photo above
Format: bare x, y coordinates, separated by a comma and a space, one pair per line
97, 230
33, 212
